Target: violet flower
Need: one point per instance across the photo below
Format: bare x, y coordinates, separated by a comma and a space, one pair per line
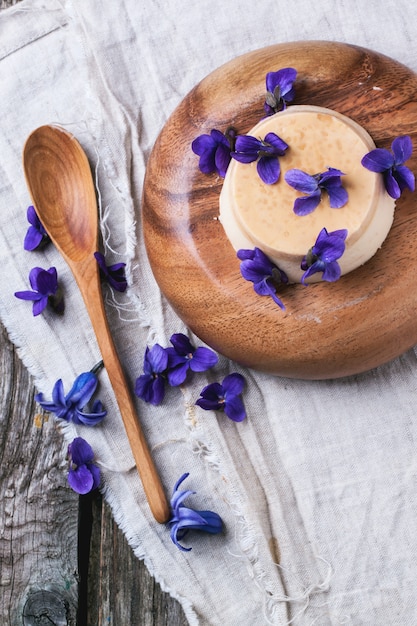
150, 386
396, 175
83, 475
72, 407
225, 397
45, 290
314, 186
265, 152
279, 89
185, 519
114, 274
265, 276
36, 235
214, 150
323, 256
184, 357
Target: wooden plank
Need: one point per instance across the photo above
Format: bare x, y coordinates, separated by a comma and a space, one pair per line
38, 512
121, 590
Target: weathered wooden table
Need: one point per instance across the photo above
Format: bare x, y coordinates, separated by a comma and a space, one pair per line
63, 560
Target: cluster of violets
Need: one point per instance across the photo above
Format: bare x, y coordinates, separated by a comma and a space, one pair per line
171, 366
79, 407
160, 365
216, 150
45, 288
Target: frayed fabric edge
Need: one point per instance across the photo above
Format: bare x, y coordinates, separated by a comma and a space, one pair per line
246, 541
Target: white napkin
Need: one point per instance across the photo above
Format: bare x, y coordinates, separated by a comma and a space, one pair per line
317, 486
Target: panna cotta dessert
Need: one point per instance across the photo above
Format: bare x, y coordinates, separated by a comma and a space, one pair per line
256, 214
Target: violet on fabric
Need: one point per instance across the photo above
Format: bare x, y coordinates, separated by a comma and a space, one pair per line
185, 519
73, 406
83, 474
45, 291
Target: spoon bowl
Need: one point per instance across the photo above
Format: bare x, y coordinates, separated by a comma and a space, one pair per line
59, 179
60, 183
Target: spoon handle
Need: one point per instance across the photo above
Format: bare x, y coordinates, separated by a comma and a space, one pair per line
87, 277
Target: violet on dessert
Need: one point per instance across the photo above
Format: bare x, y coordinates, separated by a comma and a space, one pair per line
314, 186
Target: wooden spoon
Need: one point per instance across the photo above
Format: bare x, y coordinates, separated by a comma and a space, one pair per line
59, 179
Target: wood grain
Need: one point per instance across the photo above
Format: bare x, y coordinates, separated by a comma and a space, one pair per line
327, 330
38, 512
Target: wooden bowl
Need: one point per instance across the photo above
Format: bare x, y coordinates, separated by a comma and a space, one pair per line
328, 330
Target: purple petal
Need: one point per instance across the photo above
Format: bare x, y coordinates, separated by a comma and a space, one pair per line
273, 292
328, 176
209, 404
222, 159
33, 277
235, 409
80, 451
182, 344
32, 217
405, 177
278, 144
177, 500
205, 147
402, 148
95, 471
39, 306
378, 160
203, 359
246, 148
83, 388
58, 395
28, 295
99, 257
253, 272
181, 480
157, 358
81, 479
313, 269
33, 239
247, 143
243, 254
233, 383
212, 391
268, 169
267, 288
262, 288
301, 181
189, 518
213, 522
203, 144
90, 419
307, 204
330, 250
391, 185
338, 196
284, 78
46, 281
150, 389
331, 272
177, 375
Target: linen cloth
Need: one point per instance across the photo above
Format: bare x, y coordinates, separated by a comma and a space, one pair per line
316, 487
